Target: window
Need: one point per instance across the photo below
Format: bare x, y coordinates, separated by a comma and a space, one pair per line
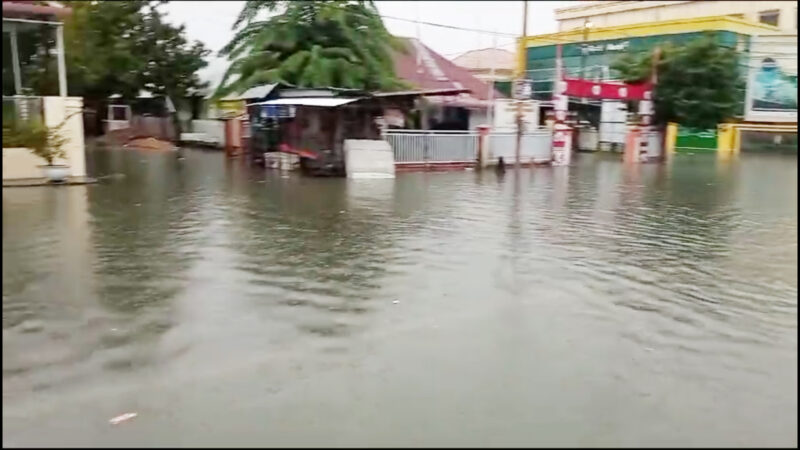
769, 17
119, 112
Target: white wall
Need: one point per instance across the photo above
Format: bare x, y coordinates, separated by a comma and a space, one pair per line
608, 14
366, 158
56, 110
478, 117
534, 147
21, 163
213, 130
505, 115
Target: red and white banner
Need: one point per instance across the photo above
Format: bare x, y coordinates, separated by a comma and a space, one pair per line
562, 145
610, 90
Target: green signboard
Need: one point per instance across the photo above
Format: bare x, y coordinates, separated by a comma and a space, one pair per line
690, 140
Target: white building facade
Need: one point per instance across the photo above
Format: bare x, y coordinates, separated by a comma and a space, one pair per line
782, 14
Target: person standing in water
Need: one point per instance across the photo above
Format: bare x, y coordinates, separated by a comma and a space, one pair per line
501, 165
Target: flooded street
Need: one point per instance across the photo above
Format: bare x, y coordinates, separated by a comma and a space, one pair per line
592, 305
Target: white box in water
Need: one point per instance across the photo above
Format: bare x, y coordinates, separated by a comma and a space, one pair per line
364, 158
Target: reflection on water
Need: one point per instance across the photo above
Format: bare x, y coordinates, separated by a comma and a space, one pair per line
594, 304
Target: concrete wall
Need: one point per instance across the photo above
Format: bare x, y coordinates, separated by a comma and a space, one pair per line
368, 159
505, 116
478, 117
534, 147
213, 131
21, 163
609, 14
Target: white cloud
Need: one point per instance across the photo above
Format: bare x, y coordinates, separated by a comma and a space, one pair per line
211, 22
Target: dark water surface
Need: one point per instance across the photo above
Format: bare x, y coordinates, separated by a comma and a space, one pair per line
591, 305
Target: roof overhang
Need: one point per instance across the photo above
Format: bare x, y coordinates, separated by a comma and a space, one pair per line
323, 102
254, 93
422, 93
27, 9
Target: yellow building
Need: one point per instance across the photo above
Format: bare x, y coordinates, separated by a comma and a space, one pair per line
782, 14
604, 44
590, 52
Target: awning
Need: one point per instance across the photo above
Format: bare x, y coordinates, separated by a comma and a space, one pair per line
255, 92
462, 101
325, 102
423, 92
15, 8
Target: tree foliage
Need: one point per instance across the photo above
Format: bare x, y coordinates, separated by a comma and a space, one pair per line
122, 47
699, 84
311, 44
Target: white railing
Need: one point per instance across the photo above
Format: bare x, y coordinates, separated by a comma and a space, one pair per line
435, 146
534, 147
420, 146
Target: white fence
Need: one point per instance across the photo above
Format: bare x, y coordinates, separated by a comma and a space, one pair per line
419, 146
207, 131
534, 147
432, 146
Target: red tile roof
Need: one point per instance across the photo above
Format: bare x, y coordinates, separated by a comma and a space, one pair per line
29, 8
426, 69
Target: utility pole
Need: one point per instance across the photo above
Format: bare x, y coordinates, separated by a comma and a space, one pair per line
491, 84
523, 75
584, 50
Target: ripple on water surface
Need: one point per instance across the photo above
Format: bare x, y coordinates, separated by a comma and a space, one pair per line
653, 290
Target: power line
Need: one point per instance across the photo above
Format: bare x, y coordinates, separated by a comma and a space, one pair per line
452, 27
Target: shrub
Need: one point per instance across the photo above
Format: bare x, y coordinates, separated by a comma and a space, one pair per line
43, 141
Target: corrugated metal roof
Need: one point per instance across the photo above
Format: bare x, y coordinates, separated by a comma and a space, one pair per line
327, 102
255, 92
434, 71
486, 59
423, 92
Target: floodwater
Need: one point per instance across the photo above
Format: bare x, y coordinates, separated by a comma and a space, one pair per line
592, 305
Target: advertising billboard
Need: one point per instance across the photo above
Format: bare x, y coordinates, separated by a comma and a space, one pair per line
772, 81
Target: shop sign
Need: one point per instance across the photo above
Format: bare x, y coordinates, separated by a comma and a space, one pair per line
609, 47
575, 87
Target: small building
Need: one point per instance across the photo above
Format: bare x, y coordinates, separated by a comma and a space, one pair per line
494, 66
314, 123
206, 116
24, 103
427, 70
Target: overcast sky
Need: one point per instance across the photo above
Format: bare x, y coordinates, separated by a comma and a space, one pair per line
211, 22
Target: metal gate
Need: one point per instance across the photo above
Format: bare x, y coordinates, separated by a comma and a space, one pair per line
433, 146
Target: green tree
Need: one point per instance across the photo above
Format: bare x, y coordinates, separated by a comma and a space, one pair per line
700, 84
123, 47
311, 44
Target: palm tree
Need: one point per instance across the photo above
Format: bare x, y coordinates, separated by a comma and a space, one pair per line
311, 44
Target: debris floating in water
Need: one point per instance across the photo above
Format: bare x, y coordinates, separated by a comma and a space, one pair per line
122, 418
